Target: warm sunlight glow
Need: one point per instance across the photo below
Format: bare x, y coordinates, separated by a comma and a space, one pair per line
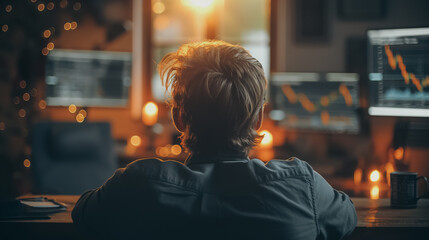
357, 177
150, 114
267, 141
374, 176
200, 4
375, 192
136, 141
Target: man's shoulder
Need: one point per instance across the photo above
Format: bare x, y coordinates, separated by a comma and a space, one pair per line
291, 167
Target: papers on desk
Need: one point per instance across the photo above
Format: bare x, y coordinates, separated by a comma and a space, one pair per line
45, 204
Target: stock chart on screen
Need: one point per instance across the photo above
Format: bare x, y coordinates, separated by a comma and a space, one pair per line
315, 101
398, 67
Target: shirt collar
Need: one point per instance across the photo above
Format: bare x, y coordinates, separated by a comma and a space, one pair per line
221, 156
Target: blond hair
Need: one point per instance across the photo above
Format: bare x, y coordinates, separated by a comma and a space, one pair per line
218, 89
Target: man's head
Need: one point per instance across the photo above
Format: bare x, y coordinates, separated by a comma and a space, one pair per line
217, 95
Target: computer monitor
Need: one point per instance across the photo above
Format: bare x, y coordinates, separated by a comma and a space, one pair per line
398, 67
88, 78
316, 101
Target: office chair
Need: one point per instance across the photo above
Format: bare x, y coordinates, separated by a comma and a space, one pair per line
70, 158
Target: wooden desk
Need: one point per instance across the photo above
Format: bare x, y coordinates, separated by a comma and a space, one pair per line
376, 220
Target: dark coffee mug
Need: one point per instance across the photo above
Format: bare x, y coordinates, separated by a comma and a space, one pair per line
403, 187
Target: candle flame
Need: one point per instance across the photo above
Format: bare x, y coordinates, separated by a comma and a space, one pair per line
374, 176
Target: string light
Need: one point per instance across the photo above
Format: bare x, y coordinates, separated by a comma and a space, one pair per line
80, 118
72, 108
22, 112
50, 46
136, 141
27, 163
45, 51
41, 7
67, 26
26, 97
73, 25
42, 104
63, 4
77, 6
83, 112
22, 84
50, 6
8, 8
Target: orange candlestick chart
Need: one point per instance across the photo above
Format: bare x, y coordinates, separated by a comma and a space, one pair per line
318, 105
397, 62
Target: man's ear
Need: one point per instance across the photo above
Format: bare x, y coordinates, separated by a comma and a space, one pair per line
258, 123
177, 119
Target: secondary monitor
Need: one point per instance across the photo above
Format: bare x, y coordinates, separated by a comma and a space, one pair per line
398, 67
88, 78
316, 101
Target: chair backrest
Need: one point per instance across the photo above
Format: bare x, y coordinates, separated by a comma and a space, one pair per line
70, 158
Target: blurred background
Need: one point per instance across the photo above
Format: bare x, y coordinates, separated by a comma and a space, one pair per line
80, 95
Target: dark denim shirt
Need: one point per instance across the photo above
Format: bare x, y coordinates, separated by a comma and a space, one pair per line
220, 197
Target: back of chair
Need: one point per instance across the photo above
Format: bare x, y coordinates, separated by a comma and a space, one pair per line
70, 158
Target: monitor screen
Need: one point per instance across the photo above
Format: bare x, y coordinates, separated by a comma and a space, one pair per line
88, 78
316, 101
398, 68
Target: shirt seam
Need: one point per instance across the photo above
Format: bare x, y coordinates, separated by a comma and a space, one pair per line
314, 204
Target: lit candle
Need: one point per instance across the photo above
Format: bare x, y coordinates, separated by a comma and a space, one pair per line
150, 114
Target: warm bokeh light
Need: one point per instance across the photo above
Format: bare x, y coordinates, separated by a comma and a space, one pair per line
33, 1
136, 140
200, 4
26, 97
47, 33
398, 154
158, 7
176, 149
83, 112
375, 192
22, 84
8, 8
67, 26
50, 6
389, 169
73, 25
27, 163
41, 7
357, 176
163, 151
45, 51
63, 4
374, 176
267, 141
77, 6
80, 118
50, 46
22, 112
5, 27
150, 114
72, 108
42, 104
